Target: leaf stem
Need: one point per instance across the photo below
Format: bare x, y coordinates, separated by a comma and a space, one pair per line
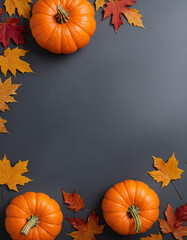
86, 210
2, 192
175, 186
2, 53
2, 19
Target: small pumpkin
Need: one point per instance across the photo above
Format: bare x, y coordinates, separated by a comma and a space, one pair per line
33, 216
62, 26
130, 207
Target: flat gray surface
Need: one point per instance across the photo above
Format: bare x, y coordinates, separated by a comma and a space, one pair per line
91, 119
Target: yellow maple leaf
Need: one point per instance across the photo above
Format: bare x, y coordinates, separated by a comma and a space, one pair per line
166, 171
99, 4
12, 176
153, 237
22, 6
133, 17
6, 90
11, 61
2, 126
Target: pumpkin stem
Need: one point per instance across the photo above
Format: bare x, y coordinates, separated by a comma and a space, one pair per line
133, 211
32, 222
62, 16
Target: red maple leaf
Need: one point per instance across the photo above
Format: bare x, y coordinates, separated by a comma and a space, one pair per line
174, 223
1, 11
11, 29
86, 230
74, 200
118, 7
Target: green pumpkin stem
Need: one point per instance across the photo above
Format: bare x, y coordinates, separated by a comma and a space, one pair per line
133, 211
32, 222
62, 16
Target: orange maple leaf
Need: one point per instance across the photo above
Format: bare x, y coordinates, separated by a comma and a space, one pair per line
22, 6
6, 90
74, 200
153, 237
86, 230
99, 4
11, 61
166, 171
174, 223
2, 126
12, 176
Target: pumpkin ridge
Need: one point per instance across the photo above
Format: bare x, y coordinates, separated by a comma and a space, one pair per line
80, 27
47, 5
38, 233
45, 46
147, 219
28, 205
20, 208
69, 7
71, 35
121, 196
51, 213
38, 228
132, 203
144, 197
116, 202
46, 231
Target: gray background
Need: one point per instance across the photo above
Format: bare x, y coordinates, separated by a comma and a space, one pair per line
91, 119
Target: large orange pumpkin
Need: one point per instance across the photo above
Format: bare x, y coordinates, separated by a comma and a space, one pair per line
130, 207
33, 216
62, 26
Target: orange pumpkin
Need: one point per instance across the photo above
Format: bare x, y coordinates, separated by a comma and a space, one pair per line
62, 26
33, 216
130, 207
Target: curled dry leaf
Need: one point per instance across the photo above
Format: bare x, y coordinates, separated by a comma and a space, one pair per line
86, 230
74, 200
118, 7
12, 176
2, 126
11, 29
22, 7
6, 90
153, 237
166, 171
11, 61
174, 222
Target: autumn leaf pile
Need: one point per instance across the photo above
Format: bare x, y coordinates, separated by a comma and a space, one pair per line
10, 58
117, 8
166, 173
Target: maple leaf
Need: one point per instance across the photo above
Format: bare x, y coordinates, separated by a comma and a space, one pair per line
174, 223
166, 171
118, 7
86, 230
6, 90
74, 200
11, 61
99, 4
12, 176
153, 237
2, 126
10, 29
1, 11
22, 6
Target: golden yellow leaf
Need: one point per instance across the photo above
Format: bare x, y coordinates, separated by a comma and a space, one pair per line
166, 171
22, 6
11, 61
153, 237
12, 176
2, 126
6, 90
133, 17
99, 4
